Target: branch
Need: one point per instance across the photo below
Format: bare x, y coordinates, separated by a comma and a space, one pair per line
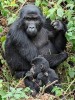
49, 84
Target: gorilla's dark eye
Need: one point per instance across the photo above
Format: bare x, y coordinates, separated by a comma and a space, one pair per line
35, 19
27, 18
31, 18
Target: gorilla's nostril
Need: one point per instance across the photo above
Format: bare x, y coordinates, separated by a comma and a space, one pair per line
31, 27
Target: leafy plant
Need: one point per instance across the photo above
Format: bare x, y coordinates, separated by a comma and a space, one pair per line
1, 29
13, 93
17, 93
58, 91
4, 4
3, 39
53, 9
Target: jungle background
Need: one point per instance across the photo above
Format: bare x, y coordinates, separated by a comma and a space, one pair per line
12, 89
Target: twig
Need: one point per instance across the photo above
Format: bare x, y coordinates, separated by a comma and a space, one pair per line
68, 94
21, 7
66, 83
49, 85
20, 82
70, 86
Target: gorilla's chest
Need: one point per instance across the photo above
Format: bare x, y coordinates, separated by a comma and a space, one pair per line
43, 44
40, 40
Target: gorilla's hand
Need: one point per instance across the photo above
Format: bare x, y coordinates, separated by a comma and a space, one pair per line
29, 74
58, 25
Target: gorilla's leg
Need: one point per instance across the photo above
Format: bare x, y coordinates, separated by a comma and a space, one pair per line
18, 66
29, 83
20, 74
34, 85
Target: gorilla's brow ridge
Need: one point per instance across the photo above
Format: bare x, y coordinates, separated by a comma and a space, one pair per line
30, 9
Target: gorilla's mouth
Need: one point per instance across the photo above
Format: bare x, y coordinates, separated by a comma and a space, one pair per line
31, 33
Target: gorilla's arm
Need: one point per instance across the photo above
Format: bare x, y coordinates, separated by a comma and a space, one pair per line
60, 42
56, 59
22, 44
57, 30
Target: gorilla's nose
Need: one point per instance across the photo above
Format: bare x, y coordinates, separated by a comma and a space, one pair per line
32, 27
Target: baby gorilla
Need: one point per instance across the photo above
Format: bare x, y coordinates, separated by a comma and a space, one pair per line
40, 74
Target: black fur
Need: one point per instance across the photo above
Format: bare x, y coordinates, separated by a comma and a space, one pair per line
57, 33
27, 39
42, 74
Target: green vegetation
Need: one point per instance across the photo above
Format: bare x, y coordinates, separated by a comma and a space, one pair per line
53, 9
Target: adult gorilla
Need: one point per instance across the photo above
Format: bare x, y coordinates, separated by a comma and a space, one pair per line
28, 39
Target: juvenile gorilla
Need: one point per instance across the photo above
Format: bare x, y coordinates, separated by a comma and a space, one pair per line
27, 39
40, 74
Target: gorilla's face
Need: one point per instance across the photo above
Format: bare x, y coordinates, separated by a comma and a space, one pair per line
32, 20
40, 65
32, 24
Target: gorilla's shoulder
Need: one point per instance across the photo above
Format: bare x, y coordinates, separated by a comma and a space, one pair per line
44, 30
15, 25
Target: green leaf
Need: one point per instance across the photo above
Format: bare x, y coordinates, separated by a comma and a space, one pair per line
27, 89
60, 12
26, 96
4, 12
37, 2
69, 34
45, 10
59, 1
3, 38
1, 80
1, 83
2, 93
3, 46
58, 91
17, 96
44, 3
68, 14
19, 89
12, 89
11, 19
71, 72
22, 95
1, 28
71, 29
52, 14
21, 1
72, 58
13, 5
51, 11
70, 5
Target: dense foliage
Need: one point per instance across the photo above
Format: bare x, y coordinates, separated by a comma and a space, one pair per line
53, 9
